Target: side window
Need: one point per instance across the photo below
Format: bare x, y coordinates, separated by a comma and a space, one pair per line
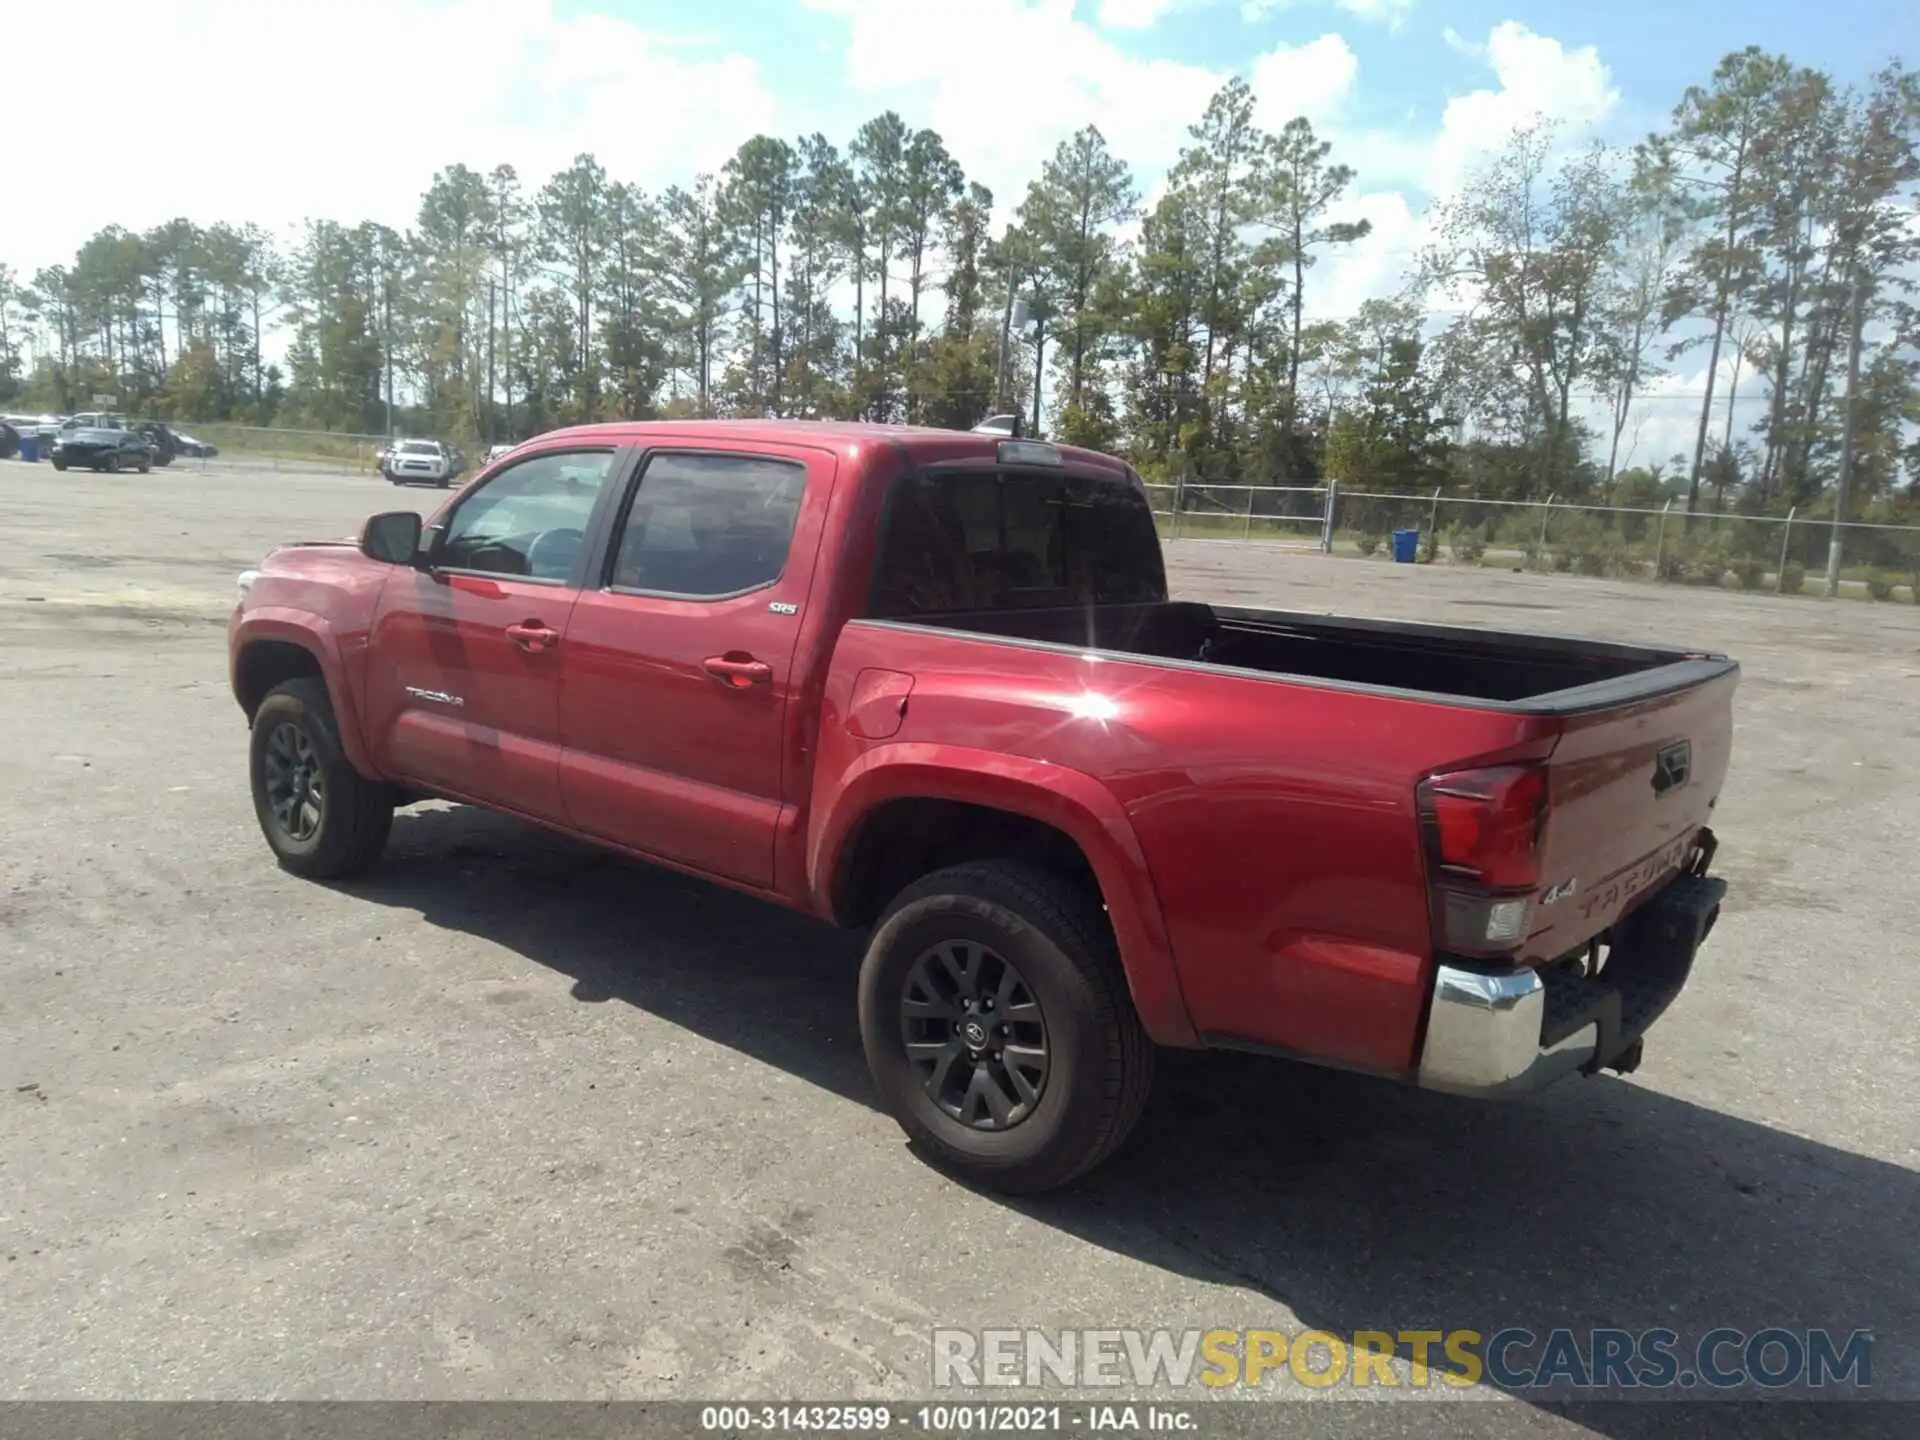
529, 521
709, 525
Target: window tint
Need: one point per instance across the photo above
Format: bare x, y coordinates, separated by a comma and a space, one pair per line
709, 525
530, 520
1009, 541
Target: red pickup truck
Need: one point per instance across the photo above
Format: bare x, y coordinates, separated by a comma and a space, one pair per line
931, 685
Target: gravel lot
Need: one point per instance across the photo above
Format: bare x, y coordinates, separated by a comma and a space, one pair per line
509, 1119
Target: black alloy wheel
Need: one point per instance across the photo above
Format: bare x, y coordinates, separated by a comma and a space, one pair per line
296, 788
975, 1035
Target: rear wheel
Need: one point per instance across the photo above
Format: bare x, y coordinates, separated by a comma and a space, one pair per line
322, 818
998, 1028
144, 466
111, 465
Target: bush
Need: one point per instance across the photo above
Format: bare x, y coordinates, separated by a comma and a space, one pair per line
1749, 572
1703, 562
1586, 546
1793, 578
1467, 543
1880, 585
1368, 541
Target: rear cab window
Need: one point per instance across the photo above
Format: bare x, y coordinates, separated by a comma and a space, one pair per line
1012, 539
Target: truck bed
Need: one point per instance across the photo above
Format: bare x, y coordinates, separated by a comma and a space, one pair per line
1527, 674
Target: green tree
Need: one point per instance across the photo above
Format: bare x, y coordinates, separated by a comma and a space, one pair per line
1083, 192
700, 269
1299, 188
573, 240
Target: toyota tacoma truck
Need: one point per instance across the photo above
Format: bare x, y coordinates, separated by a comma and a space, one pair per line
931, 685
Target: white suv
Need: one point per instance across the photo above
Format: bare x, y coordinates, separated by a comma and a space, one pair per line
426, 462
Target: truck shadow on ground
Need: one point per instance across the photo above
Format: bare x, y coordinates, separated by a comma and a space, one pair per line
1359, 1204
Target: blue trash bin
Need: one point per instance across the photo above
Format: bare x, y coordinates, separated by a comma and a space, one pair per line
30, 447
1406, 546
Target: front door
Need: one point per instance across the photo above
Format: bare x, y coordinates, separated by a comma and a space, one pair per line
464, 655
678, 664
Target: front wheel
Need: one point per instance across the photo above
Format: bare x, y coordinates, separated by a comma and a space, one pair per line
111, 465
145, 466
59, 462
322, 818
998, 1028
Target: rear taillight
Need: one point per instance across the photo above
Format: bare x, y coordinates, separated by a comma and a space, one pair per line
1484, 830
1488, 822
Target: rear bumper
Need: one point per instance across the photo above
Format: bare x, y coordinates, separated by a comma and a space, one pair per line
1511, 1032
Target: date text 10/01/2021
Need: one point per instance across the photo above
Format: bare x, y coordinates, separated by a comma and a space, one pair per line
945, 1419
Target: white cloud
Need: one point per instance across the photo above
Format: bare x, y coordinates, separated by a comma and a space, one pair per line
274, 110
1390, 13
1314, 80
1133, 14
1537, 78
1047, 72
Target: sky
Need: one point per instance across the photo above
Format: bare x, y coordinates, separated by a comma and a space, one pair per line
276, 110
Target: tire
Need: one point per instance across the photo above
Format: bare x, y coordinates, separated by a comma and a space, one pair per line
444, 482
1099, 1067
144, 466
111, 464
59, 462
355, 814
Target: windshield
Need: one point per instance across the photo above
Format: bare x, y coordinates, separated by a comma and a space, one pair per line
419, 447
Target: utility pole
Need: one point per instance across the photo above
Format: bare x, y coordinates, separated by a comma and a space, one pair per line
1834, 545
386, 300
491, 437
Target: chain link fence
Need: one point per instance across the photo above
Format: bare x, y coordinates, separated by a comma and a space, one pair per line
285, 449
1781, 554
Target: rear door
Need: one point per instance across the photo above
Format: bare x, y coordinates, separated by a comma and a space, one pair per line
678, 663
464, 655
1628, 789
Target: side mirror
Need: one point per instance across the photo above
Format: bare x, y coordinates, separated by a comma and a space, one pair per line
392, 538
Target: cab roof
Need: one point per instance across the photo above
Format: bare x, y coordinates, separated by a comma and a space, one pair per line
922, 444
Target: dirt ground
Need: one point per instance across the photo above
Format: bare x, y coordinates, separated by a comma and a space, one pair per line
509, 1119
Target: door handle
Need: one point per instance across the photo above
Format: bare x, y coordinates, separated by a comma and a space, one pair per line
738, 669
532, 636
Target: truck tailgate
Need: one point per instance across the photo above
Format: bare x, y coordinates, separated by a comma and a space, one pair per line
1629, 787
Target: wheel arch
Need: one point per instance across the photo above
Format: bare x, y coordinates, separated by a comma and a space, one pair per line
902, 811
271, 646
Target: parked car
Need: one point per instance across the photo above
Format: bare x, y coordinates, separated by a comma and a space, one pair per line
185, 444
932, 687
426, 462
494, 452
91, 420
43, 427
9, 441
107, 446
